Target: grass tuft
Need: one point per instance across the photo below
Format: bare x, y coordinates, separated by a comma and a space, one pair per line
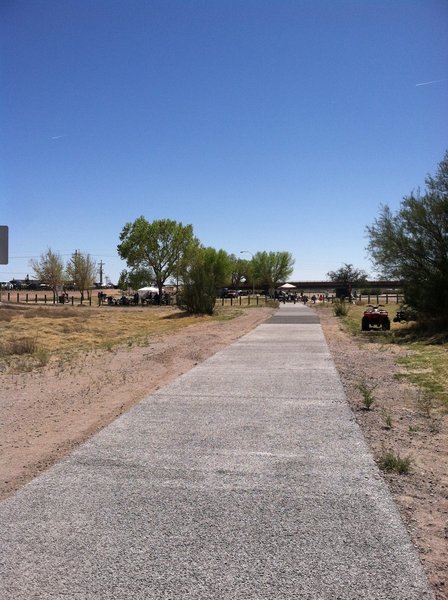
392, 462
18, 346
341, 308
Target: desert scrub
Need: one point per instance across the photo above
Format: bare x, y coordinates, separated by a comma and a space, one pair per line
341, 308
367, 394
387, 420
392, 462
23, 354
18, 346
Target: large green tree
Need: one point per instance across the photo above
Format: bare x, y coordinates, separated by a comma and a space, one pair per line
272, 268
412, 245
161, 246
49, 268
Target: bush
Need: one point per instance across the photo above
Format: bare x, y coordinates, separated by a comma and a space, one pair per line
393, 463
206, 273
19, 346
341, 308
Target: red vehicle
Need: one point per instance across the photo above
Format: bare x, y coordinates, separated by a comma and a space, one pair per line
375, 317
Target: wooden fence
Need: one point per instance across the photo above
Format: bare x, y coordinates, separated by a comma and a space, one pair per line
249, 300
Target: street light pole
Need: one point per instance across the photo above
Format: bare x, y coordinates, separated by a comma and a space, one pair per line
253, 277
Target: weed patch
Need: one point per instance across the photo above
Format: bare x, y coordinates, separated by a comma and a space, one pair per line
367, 394
392, 462
341, 308
18, 346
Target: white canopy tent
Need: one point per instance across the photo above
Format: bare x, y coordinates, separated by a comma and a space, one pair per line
287, 286
148, 289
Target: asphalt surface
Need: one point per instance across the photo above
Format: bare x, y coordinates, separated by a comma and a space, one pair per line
245, 478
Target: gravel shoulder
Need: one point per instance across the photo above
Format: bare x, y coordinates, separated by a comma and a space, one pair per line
422, 494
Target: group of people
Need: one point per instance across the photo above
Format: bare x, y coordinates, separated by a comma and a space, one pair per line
152, 298
298, 297
135, 300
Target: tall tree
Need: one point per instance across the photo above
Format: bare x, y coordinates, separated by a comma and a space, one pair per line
347, 277
272, 268
161, 247
82, 270
240, 271
209, 269
412, 245
49, 269
134, 278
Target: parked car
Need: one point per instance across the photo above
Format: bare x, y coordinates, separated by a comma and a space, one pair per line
233, 293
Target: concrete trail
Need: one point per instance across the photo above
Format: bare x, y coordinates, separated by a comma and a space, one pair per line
246, 478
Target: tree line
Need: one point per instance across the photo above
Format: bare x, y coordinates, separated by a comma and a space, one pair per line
410, 245
79, 271
165, 250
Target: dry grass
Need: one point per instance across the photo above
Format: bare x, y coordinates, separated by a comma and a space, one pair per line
426, 363
63, 331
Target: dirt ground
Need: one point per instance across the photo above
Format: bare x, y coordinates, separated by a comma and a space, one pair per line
401, 421
47, 412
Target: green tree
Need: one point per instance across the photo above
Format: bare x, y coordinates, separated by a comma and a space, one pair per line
81, 270
134, 279
123, 280
160, 247
348, 277
240, 271
49, 269
272, 268
412, 245
209, 270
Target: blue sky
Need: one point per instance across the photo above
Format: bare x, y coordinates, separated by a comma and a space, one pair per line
266, 124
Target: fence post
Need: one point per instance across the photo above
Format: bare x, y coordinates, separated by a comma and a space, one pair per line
18, 297
73, 301
45, 298
36, 299
387, 298
9, 294
26, 298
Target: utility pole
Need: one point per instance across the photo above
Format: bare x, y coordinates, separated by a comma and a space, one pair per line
101, 273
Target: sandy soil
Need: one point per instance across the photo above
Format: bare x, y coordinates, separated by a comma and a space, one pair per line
46, 413
417, 430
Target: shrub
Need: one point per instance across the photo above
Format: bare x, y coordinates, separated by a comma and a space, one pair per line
393, 463
340, 308
19, 346
367, 396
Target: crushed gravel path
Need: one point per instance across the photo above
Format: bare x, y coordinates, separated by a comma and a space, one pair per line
246, 477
